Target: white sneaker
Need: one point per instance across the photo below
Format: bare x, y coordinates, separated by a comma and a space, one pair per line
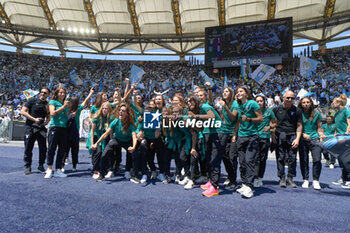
316, 185
59, 174
48, 174
338, 182
305, 184
247, 193
95, 175
189, 185
346, 185
227, 181
63, 170
153, 175
127, 175
241, 189
201, 180
109, 175
331, 166
144, 179
184, 181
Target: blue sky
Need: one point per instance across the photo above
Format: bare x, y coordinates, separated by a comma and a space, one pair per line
296, 50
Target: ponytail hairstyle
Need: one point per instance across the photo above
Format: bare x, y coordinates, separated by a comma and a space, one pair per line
342, 99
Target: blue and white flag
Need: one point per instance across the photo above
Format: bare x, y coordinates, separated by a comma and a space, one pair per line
338, 146
307, 67
225, 82
30, 93
243, 63
136, 74
51, 81
206, 78
101, 85
262, 73
74, 78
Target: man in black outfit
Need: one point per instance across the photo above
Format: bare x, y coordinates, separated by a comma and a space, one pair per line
287, 138
37, 116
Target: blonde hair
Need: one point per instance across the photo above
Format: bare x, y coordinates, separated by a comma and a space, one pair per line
99, 114
341, 99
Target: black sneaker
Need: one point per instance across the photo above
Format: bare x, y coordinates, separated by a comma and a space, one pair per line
28, 171
231, 186
135, 180
291, 183
41, 168
283, 183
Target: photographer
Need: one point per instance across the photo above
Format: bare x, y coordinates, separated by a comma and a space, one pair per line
37, 116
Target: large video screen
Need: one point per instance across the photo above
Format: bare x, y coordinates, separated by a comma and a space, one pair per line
269, 38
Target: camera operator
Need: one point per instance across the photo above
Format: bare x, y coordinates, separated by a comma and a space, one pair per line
37, 116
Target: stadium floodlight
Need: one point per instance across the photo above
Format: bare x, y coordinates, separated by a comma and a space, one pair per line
70, 29
87, 31
82, 30
51, 28
3, 22
93, 31
75, 30
62, 29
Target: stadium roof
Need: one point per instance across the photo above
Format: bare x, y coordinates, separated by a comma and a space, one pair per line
118, 26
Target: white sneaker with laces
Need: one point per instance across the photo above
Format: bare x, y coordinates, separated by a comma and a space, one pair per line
144, 179
127, 175
48, 174
241, 189
59, 174
346, 185
184, 181
331, 166
202, 180
109, 175
189, 185
227, 181
305, 184
316, 185
247, 193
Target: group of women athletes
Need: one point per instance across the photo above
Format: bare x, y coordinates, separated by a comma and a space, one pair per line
246, 127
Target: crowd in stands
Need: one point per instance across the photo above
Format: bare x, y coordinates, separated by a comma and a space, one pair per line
25, 71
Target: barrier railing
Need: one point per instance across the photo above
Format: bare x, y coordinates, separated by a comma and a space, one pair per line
4, 129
